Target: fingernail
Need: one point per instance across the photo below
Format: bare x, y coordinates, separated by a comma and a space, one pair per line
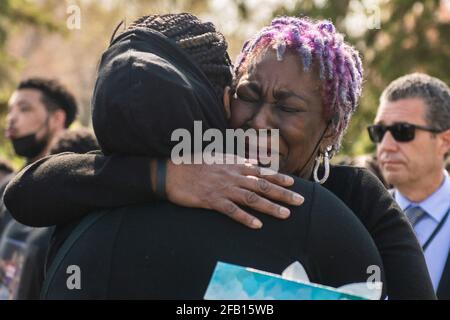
284, 212
289, 180
256, 223
298, 199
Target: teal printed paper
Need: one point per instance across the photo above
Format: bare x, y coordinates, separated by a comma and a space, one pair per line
231, 282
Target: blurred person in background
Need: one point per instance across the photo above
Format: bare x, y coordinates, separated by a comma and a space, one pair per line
6, 173
23, 249
38, 111
78, 141
369, 161
412, 133
5, 170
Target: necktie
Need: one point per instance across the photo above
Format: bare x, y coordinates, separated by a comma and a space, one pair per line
414, 214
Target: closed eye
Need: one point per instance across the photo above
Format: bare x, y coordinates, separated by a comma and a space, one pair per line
287, 109
246, 98
24, 109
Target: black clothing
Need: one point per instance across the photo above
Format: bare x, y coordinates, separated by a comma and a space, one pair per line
163, 251
33, 274
5, 216
61, 188
65, 187
23, 252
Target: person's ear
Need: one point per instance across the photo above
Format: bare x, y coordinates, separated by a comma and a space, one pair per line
57, 119
226, 101
445, 139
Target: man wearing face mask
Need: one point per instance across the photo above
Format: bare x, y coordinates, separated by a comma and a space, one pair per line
39, 110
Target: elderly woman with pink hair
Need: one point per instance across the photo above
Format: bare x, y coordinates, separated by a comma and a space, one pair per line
297, 75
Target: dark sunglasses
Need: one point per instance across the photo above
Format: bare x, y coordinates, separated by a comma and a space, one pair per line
402, 132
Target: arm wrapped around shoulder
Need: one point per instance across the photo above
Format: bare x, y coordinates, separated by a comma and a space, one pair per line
64, 187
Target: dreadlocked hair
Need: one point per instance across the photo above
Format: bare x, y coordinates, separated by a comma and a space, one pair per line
314, 41
201, 41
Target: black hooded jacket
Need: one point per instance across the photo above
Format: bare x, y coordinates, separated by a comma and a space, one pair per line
146, 88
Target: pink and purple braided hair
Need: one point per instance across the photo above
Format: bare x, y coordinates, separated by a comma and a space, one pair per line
339, 64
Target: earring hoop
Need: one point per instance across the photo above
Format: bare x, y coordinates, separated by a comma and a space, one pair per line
326, 164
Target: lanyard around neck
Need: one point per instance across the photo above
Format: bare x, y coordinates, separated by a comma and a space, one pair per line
436, 231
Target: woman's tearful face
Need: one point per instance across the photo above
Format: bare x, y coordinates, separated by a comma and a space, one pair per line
273, 94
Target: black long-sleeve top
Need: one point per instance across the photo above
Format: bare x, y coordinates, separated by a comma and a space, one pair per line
65, 187
164, 251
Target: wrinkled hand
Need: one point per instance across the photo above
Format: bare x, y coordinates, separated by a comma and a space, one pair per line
226, 187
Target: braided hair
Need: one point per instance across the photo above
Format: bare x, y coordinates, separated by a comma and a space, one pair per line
201, 41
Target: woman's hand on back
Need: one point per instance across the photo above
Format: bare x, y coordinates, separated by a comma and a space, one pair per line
227, 188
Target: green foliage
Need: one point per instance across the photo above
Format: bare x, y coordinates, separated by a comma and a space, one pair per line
13, 14
411, 38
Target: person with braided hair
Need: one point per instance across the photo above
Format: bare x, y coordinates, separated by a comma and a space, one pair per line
296, 75
199, 40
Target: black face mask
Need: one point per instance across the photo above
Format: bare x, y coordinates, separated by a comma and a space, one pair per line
29, 146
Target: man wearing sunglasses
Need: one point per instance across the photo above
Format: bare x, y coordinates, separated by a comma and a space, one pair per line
412, 134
